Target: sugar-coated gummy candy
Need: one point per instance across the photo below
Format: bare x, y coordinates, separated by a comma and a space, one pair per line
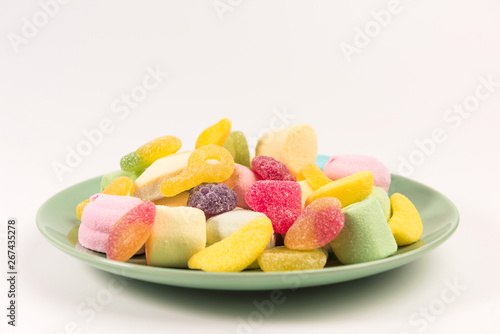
317, 225
130, 232
207, 164
111, 176
340, 166
80, 207
236, 252
405, 223
294, 145
348, 190
366, 236
120, 186
221, 226
269, 168
281, 201
237, 145
385, 203
284, 259
215, 134
306, 191
314, 176
148, 153
178, 234
212, 198
232, 181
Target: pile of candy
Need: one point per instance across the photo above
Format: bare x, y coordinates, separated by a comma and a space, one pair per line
217, 209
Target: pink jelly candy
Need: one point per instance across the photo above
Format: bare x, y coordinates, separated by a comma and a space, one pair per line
281, 201
317, 225
269, 168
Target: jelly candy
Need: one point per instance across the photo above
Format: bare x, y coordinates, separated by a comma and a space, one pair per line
215, 134
148, 153
281, 201
212, 198
348, 190
207, 164
314, 176
120, 186
80, 207
269, 168
284, 259
130, 232
111, 176
405, 223
236, 252
317, 225
237, 145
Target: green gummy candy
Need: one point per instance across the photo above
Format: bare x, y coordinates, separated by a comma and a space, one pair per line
110, 177
237, 145
366, 236
132, 162
385, 202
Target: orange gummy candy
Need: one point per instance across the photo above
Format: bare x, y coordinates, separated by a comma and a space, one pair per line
215, 134
207, 164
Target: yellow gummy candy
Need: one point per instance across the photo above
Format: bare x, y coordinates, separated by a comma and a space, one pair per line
348, 190
120, 186
405, 223
236, 252
207, 164
215, 134
314, 176
80, 207
284, 259
148, 153
158, 148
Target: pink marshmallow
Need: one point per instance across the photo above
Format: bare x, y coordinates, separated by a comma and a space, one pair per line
340, 166
99, 216
246, 177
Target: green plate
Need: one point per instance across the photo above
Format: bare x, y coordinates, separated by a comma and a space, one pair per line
57, 222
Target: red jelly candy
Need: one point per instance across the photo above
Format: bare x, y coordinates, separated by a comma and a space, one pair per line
269, 168
317, 225
281, 201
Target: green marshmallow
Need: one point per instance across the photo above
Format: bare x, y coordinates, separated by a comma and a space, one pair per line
110, 177
385, 202
237, 145
366, 236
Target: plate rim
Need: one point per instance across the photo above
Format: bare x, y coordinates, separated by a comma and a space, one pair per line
126, 268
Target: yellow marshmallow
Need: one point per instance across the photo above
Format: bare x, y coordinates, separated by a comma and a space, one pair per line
284, 259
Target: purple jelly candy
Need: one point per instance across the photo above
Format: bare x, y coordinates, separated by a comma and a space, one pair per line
269, 168
212, 198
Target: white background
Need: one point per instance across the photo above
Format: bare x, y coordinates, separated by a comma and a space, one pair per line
247, 63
